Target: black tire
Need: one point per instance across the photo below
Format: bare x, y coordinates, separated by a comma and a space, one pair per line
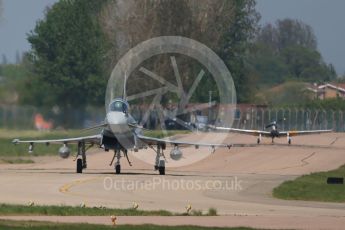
79, 166
118, 169
161, 170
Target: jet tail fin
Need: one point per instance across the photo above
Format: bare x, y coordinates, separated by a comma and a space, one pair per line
124, 93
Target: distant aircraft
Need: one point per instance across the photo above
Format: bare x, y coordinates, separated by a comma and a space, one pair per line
273, 133
120, 133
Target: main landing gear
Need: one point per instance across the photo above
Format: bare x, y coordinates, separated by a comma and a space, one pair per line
259, 139
289, 139
81, 157
160, 159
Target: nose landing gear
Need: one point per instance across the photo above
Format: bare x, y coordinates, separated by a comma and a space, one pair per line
117, 168
117, 164
117, 155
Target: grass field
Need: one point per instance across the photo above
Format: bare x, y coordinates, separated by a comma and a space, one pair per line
9, 149
168, 133
10, 160
313, 187
11, 209
33, 225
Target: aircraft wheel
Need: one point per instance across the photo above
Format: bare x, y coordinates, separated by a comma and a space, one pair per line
161, 170
79, 166
118, 169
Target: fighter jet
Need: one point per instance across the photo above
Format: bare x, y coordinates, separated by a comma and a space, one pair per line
273, 133
120, 132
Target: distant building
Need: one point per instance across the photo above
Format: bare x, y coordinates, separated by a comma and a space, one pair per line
328, 90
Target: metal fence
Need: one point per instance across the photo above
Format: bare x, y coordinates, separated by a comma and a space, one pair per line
290, 119
22, 117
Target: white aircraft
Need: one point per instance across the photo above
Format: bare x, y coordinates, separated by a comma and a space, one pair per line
120, 133
272, 133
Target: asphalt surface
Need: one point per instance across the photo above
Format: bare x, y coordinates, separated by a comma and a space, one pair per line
237, 182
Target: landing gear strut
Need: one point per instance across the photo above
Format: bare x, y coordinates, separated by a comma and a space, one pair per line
160, 160
117, 155
259, 139
117, 164
117, 168
81, 157
289, 139
79, 165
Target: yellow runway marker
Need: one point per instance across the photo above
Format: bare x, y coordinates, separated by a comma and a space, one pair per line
66, 187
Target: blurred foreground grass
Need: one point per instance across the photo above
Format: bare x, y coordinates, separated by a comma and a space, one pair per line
63, 210
35, 225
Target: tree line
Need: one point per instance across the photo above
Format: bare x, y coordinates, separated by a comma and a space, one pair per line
78, 42
287, 50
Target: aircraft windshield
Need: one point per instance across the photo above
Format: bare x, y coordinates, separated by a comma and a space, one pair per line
118, 106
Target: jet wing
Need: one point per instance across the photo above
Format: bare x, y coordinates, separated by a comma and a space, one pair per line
95, 139
155, 141
243, 131
303, 132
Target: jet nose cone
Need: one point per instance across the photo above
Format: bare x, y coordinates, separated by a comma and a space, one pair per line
116, 118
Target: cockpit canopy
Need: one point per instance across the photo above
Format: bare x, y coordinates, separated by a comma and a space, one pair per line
118, 105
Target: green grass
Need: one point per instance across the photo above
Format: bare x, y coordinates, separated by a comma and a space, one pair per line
29, 134
212, 212
54, 210
160, 134
34, 225
313, 187
62, 210
9, 149
17, 161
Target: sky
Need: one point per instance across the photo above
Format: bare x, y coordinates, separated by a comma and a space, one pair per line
19, 18
326, 17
